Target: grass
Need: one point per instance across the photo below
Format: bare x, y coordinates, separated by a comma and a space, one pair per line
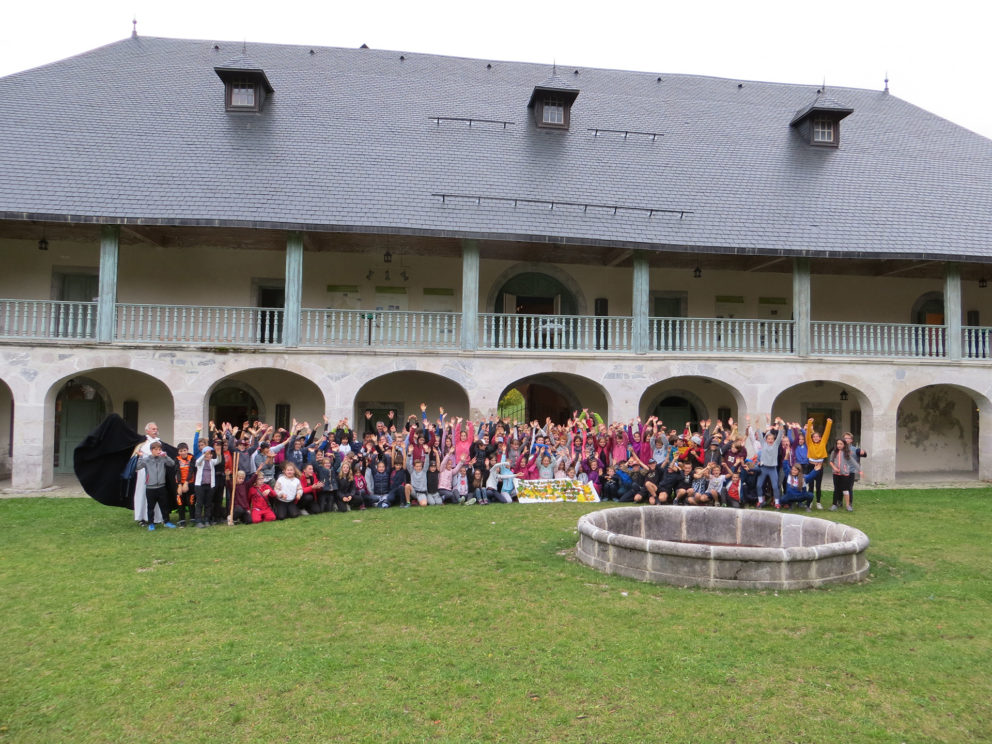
473, 624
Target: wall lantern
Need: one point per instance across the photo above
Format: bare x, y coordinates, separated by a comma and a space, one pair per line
843, 395
387, 257
982, 283
697, 272
43, 245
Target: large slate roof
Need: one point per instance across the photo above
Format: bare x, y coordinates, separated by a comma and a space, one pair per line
136, 131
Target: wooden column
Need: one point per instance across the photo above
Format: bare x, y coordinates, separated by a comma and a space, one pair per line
801, 300
294, 290
470, 295
106, 313
952, 310
641, 301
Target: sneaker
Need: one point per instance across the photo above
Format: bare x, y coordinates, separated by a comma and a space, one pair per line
170, 525
761, 503
304, 512
405, 506
850, 508
201, 525
470, 501
778, 505
819, 506
833, 507
151, 528
361, 508
807, 508
461, 499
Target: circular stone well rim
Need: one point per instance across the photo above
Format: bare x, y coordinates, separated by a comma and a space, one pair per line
663, 557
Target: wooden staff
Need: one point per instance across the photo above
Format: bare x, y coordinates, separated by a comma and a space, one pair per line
234, 484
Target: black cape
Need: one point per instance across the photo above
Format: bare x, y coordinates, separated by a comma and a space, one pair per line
100, 458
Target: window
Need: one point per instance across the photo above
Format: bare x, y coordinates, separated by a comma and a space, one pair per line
553, 112
823, 131
242, 94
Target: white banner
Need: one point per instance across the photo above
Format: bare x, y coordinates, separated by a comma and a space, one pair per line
545, 491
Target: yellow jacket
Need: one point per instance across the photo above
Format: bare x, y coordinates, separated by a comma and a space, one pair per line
817, 451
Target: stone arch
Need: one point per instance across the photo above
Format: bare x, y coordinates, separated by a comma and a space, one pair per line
404, 391
281, 395
939, 433
708, 397
823, 398
560, 276
558, 394
77, 402
251, 397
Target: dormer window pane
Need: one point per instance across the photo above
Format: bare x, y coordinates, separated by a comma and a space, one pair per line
823, 130
242, 95
554, 111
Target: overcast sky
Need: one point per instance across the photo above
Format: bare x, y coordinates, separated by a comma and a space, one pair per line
935, 54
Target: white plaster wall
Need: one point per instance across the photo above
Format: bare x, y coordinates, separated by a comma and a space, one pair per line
321, 269
869, 299
934, 431
32, 274
194, 275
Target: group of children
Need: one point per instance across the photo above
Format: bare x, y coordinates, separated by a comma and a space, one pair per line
255, 473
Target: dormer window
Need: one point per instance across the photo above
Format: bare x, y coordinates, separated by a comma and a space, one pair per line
245, 85
242, 95
552, 103
823, 131
819, 122
553, 112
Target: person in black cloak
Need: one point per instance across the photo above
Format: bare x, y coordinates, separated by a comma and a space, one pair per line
100, 460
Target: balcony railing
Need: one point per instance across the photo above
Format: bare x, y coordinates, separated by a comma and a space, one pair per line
721, 335
205, 326
47, 319
976, 343
387, 329
830, 338
555, 332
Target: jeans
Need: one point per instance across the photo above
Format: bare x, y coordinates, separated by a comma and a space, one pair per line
766, 472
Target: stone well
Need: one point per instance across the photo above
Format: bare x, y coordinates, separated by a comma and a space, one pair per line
721, 548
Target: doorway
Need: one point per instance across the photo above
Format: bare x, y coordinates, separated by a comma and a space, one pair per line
79, 408
233, 405
272, 300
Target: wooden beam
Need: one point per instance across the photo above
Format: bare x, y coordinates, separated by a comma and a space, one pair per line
910, 267
766, 264
617, 257
143, 236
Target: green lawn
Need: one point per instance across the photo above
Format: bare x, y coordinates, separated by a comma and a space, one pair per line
475, 624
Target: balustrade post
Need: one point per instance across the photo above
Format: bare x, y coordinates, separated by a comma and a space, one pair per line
801, 296
107, 293
952, 310
470, 295
641, 299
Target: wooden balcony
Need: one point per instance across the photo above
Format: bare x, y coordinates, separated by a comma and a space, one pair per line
180, 325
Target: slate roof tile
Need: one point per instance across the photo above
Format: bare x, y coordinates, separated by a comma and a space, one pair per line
138, 129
